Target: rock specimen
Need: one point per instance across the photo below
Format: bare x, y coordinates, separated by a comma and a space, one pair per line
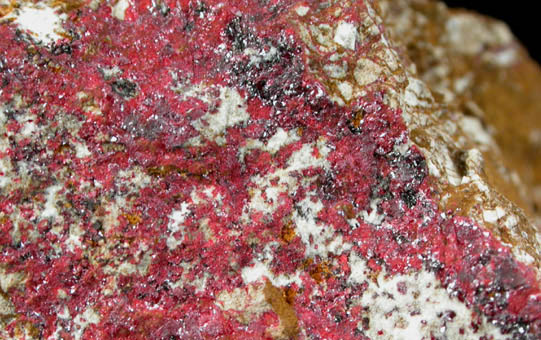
266, 169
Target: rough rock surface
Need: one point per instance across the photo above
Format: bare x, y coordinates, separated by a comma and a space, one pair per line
252, 169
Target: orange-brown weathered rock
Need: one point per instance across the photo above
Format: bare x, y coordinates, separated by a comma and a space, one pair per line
487, 86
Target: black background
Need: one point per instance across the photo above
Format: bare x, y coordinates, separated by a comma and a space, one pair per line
521, 15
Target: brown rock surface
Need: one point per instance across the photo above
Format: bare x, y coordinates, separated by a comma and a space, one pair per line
477, 71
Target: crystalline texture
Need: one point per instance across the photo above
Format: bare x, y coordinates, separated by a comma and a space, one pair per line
251, 170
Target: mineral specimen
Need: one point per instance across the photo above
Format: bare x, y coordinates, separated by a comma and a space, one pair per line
266, 169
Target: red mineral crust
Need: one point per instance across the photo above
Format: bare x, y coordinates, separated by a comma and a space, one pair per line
248, 169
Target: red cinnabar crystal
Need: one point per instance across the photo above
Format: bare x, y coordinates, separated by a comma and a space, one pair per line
185, 170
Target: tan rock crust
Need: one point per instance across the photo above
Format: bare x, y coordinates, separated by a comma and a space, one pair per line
485, 114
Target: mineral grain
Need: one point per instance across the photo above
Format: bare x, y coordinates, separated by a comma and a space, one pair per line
266, 169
